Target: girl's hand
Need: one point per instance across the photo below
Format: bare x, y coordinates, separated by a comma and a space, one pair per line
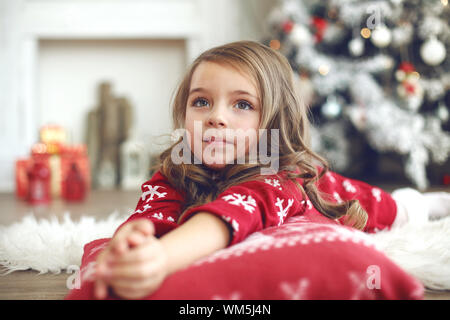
140, 271
132, 249
135, 263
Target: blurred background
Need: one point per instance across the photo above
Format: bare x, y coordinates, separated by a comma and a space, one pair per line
86, 85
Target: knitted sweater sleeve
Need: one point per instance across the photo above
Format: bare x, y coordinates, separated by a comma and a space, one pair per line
253, 205
379, 205
160, 203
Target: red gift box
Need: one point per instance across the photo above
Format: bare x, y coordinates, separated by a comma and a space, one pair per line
23, 167
59, 165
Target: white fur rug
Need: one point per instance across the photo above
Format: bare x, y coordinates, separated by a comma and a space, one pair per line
53, 245
422, 250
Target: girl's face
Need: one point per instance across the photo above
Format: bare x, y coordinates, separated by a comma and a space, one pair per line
222, 114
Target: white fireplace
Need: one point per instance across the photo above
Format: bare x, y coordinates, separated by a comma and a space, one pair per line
54, 53
141, 47
64, 49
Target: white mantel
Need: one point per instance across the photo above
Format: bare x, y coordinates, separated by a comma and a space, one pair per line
200, 24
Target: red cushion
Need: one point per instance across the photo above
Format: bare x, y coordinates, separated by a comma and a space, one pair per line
308, 257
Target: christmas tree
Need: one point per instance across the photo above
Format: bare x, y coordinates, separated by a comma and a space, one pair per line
376, 79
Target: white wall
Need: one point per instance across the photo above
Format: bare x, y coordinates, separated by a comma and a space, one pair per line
70, 71
45, 43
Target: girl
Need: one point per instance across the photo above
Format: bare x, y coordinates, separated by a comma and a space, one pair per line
218, 191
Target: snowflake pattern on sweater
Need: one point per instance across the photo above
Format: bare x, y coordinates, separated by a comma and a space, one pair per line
237, 199
255, 205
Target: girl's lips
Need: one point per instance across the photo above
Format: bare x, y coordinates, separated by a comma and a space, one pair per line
217, 143
215, 140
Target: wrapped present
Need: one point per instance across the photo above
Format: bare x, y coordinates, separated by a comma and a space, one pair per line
25, 166
54, 162
51, 153
53, 137
67, 165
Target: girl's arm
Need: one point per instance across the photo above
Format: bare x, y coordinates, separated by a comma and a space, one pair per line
160, 203
139, 271
199, 236
253, 205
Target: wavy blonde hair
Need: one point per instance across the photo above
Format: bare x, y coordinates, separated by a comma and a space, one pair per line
281, 109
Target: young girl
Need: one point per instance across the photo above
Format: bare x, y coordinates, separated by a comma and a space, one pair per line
220, 192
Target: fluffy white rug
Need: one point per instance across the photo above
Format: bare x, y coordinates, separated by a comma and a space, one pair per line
53, 245
422, 250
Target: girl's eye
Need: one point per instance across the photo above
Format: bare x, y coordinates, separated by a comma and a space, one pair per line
244, 105
200, 102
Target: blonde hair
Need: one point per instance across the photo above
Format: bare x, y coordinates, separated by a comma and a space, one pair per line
281, 109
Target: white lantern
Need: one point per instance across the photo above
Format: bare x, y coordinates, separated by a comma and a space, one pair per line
135, 160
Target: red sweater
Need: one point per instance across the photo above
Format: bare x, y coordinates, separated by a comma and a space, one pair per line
254, 205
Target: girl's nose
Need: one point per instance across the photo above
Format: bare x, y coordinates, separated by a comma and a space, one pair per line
216, 118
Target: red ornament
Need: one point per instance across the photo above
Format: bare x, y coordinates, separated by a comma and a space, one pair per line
446, 179
320, 25
75, 186
409, 87
287, 26
406, 67
38, 183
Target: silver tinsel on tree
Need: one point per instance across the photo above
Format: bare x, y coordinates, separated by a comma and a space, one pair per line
379, 66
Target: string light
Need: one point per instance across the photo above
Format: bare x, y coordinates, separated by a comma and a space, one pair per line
275, 44
415, 74
365, 33
324, 69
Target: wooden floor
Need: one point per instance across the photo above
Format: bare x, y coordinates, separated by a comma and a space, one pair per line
99, 204
30, 285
